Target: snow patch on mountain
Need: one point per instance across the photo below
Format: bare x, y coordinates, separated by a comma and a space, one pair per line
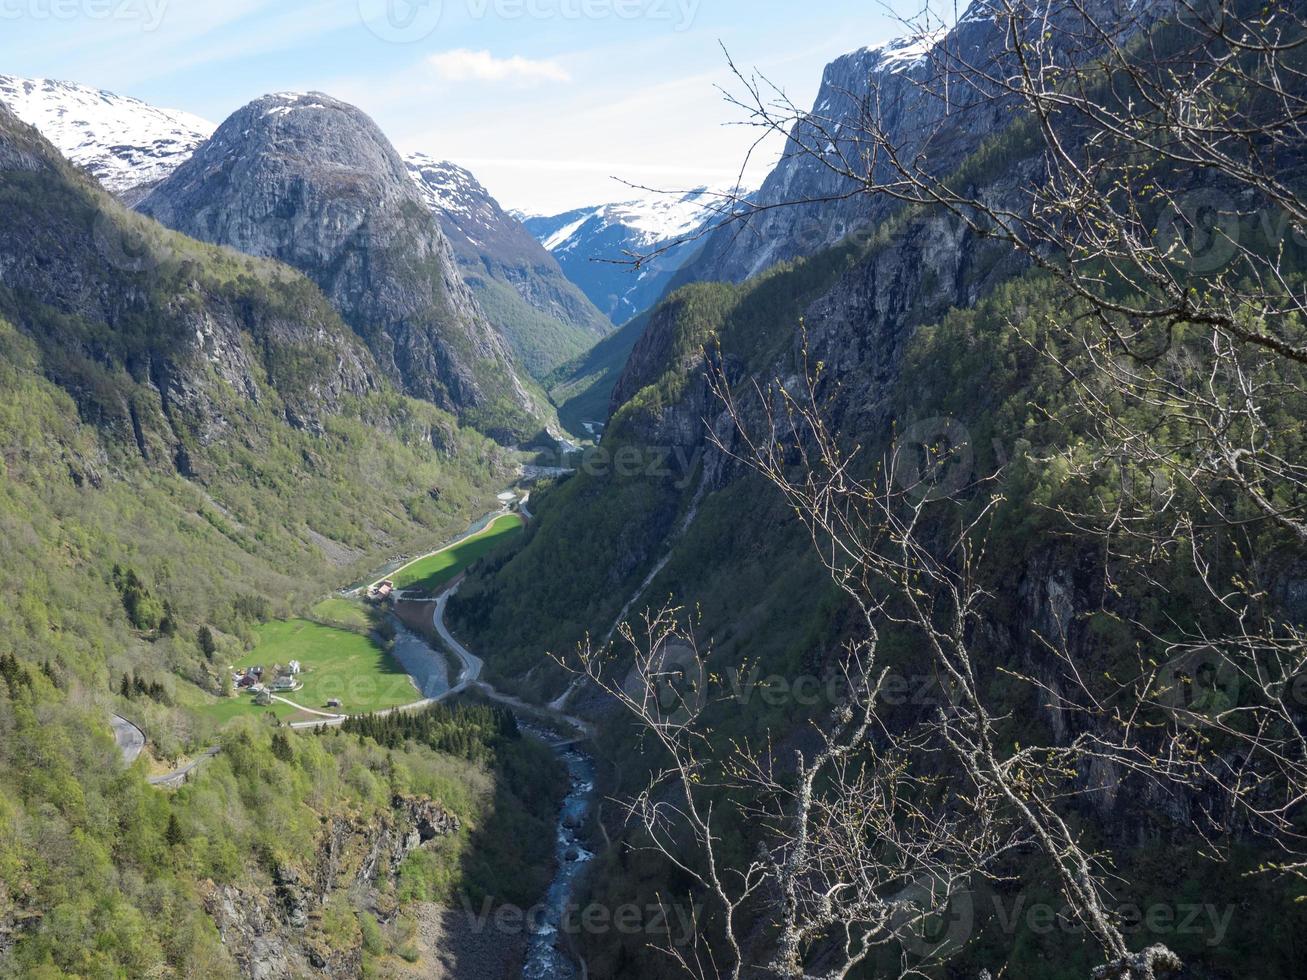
595, 245
905, 53
123, 142
291, 101
559, 238
646, 221
448, 187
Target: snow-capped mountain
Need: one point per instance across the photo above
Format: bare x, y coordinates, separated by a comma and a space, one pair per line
128, 145
594, 244
544, 316
453, 190
295, 177
131, 147
810, 202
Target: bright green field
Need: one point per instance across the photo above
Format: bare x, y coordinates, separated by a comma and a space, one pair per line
430, 573
342, 612
337, 664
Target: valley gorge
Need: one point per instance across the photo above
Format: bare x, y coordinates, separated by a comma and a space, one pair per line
894, 571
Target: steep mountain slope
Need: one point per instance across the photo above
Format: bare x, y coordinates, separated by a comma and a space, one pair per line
545, 318
583, 387
915, 323
312, 182
595, 245
201, 329
130, 146
202, 425
906, 92
853, 307
126, 144
188, 360
893, 77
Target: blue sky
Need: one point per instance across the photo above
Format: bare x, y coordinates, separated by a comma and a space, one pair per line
545, 100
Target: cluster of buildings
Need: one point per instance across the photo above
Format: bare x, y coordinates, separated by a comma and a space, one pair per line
284, 680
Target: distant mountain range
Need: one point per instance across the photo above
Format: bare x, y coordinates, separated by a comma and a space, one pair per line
131, 146
544, 316
546, 289
126, 144
596, 246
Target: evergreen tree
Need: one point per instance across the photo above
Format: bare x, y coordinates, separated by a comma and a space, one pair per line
174, 835
281, 747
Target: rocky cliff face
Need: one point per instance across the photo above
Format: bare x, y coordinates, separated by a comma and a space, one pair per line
274, 930
891, 77
545, 318
912, 94
854, 308
119, 305
312, 182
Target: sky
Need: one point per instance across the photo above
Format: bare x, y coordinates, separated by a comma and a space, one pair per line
553, 104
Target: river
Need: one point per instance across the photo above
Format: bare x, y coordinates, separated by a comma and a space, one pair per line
548, 956
428, 668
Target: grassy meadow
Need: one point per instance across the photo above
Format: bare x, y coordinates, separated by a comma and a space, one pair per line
338, 663
431, 573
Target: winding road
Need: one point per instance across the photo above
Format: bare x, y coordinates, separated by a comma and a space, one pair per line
470, 676
131, 740
171, 780
472, 665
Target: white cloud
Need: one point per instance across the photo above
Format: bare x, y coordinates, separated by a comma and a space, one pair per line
463, 65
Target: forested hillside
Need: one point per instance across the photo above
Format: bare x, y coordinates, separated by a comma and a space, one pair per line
1046, 448
194, 443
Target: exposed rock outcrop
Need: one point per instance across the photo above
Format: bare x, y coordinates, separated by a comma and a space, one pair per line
274, 930
926, 95
544, 317
312, 182
116, 303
